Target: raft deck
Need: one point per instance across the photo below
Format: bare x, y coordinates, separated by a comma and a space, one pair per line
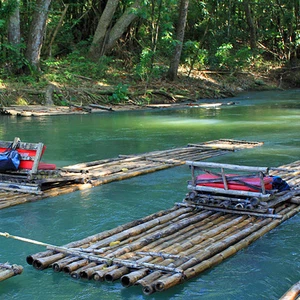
86, 175
169, 247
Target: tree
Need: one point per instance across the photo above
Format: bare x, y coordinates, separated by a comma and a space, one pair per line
107, 33
251, 25
14, 34
183, 11
100, 36
36, 33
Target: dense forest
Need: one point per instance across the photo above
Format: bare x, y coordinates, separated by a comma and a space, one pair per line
60, 42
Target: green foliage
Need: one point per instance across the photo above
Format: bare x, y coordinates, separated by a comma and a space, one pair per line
6, 9
229, 58
223, 55
217, 36
145, 69
120, 94
193, 56
12, 59
67, 70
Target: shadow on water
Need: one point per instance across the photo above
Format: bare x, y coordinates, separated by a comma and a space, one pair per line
265, 270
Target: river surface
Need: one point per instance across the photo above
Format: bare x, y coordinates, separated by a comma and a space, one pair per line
264, 270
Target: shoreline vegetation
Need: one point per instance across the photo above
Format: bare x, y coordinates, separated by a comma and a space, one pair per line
122, 93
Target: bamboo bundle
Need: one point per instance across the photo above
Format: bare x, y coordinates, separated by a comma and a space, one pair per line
89, 272
202, 266
76, 274
137, 229
157, 245
215, 259
110, 249
69, 268
99, 275
158, 235
102, 235
60, 264
7, 271
195, 250
113, 278
116, 274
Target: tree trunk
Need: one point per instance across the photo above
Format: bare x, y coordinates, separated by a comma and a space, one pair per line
294, 27
105, 38
36, 33
250, 25
97, 47
14, 35
173, 69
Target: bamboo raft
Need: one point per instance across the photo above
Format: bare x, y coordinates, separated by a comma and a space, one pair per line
7, 271
86, 175
169, 247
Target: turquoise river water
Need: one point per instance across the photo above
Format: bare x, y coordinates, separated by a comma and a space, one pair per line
264, 270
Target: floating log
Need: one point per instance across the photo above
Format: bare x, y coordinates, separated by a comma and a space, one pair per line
7, 271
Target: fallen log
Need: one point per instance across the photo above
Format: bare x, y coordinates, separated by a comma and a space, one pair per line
101, 107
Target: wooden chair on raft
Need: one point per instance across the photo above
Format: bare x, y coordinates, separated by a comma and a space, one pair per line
33, 176
24, 179
30, 153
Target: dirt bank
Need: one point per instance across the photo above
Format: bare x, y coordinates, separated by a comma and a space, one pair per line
126, 94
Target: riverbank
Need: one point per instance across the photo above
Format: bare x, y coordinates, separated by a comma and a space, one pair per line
124, 93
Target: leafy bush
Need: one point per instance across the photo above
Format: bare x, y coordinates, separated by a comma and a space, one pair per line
146, 69
193, 55
223, 55
120, 94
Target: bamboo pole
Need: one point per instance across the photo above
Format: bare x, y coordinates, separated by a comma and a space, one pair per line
116, 274
60, 264
231, 211
283, 198
89, 272
131, 278
292, 293
147, 281
69, 268
44, 262
99, 275
76, 274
